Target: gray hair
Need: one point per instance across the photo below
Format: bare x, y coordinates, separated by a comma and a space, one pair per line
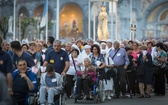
57, 41
4, 41
90, 40
69, 43
116, 41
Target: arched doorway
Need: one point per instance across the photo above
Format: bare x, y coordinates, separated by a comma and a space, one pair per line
71, 21
39, 32
23, 11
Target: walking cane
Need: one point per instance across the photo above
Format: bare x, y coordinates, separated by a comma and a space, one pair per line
129, 85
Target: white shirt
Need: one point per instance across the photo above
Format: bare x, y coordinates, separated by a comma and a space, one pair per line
71, 70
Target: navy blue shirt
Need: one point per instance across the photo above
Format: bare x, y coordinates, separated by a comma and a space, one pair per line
26, 56
6, 65
58, 60
48, 49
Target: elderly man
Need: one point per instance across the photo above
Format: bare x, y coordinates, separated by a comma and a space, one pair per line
121, 61
24, 82
4, 94
51, 84
6, 66
68, 47
6, 47
58, 58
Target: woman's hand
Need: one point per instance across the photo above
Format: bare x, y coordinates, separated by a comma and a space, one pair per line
83, 76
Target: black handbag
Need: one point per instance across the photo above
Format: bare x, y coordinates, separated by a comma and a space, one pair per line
140, 70
158, 70
110, 72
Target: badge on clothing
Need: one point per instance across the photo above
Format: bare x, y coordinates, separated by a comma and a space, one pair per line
61, 58
54, 80
118, 54
52, 61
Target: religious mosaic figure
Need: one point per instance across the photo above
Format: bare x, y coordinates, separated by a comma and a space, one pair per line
103, 24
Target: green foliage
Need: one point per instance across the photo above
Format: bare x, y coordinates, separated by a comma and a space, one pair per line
25, 22
4, 26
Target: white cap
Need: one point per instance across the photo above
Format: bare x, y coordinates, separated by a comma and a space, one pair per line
103, 43
87, 47
96, 43
108, 40
76, 47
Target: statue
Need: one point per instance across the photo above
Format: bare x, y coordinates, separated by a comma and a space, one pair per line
10, 24
103, 24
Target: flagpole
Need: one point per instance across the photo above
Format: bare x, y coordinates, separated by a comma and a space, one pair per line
46, 21
130, 19
57, 17
14, 19
89, 36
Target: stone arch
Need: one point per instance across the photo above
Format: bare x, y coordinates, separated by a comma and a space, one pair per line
71, 15
151, 8
23, 10
163, 14
146, 14
38, 11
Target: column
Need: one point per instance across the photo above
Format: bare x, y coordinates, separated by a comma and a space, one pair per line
89, 21
57, 13
94, 27
130, 18
14, 20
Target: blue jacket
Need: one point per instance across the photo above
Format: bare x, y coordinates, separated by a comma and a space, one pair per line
33, 79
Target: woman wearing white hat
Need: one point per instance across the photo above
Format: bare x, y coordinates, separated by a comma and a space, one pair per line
108, 82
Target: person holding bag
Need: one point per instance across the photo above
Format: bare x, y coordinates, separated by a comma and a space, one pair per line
144, 72
74, 67
86, 79
160, 58
108, 82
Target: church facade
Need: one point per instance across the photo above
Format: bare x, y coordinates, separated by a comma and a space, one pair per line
141, 20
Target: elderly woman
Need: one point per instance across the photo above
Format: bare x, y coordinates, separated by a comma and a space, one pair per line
86, 79
144, 64
39, 54
108, 82
86, 52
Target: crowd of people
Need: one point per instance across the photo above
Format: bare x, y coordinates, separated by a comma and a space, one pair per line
128, 68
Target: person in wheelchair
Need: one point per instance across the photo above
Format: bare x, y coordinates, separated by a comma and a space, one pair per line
86, 79
51, 85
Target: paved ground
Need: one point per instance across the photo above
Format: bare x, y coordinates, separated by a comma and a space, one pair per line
154, 100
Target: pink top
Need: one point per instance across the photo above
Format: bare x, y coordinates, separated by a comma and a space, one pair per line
89, 72
135, 54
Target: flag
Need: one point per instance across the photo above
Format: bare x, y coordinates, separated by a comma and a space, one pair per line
45, 14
